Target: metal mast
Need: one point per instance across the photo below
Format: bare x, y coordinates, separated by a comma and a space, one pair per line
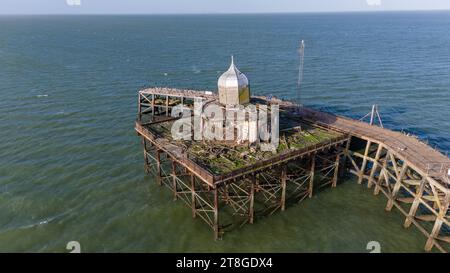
374, 114
300, 69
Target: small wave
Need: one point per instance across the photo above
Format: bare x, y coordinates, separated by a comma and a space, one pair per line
41, 222
196, 70
42, 96
72, 66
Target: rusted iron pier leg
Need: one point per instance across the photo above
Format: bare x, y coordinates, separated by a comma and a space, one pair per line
434, 233
344, 159
174, 180
193, 203
382, 175
283, 187
226, 194
146, 163
251, 212
398, 184
336, 171
415, 204
364, 163
311, 179
158, 167
438, 223
374, 166
216, 213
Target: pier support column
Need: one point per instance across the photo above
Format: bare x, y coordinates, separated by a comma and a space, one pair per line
438, 223
216, 213
251, 212
336, 171
344, 159
146, 163
397, 186
174, 180
193, 202
283, 188
158, 167
415, 204
311, 179
434, 233
375, 166
226, 194
364, 163
377, 189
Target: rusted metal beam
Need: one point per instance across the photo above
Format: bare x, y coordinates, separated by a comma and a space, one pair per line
174, 180
415, 204
158, 167
336, 171
283, 188
375, 165
251, 212
311, 179
364, 163
216, 213
193, 201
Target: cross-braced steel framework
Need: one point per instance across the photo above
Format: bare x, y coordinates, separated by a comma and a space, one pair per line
243, 198
422, 199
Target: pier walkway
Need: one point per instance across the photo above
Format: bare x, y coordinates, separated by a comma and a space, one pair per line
430, 161
412, 175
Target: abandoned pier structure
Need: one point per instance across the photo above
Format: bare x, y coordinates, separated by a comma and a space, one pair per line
214, 176
229, 181
228, 184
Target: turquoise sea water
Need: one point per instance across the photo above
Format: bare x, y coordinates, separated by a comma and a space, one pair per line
71, 166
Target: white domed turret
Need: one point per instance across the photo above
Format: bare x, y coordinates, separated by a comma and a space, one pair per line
233, 86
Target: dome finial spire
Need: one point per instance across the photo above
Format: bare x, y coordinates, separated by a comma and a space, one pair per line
233, 86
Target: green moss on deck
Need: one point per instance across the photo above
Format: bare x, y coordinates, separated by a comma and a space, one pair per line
220, 157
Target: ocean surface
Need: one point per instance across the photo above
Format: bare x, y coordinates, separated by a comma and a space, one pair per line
71, 166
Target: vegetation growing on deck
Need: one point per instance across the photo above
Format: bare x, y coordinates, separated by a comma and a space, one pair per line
220, 157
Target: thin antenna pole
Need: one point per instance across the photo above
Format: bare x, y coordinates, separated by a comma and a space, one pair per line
372, 115
300, 69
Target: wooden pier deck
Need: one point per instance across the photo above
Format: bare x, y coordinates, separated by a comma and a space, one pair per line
423, 157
